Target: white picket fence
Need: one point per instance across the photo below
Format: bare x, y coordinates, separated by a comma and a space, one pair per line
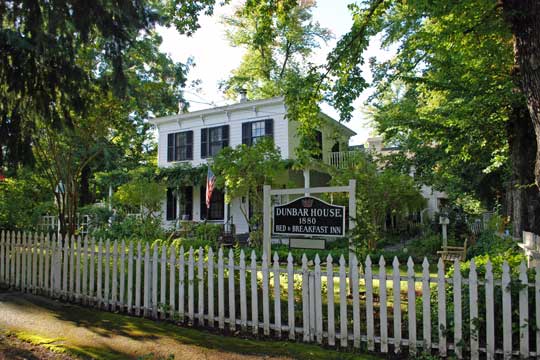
361, 306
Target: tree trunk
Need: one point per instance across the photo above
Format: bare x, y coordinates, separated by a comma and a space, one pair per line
523, 16
86, 197
524, 197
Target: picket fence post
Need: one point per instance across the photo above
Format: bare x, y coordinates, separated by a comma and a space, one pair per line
138, 267
458, 337
506, 311
265, 295
441, 298
383, 308
146, 281
191, 279
92, 289
330, 300
122, 294
172, 281
426, 306
305, 299
290, 296
181, 284
411, 306
130, 278
396, 289
155, 281
473, 308
106, 292
343, 302
370, 325
85, 271
221, 291
114, 279
277, 299
318, 301
523, 312
232, 300
490, 312
163, 282
200, 282
243, 297
254, 295
353, 278
211, 311
35, 256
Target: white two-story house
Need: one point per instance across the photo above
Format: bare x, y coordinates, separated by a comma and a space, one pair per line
197, 136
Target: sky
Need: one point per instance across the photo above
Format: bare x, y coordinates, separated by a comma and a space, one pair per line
214, 58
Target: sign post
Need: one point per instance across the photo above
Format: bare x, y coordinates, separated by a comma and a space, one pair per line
307, 216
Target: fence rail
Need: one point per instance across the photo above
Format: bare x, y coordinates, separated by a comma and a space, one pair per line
372, 306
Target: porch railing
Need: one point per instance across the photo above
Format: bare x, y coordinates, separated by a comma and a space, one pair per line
340, 159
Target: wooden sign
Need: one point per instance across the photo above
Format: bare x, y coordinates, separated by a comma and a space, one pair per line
309, 216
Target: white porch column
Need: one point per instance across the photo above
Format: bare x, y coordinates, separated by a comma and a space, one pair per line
226, 210
307, 181
267, 232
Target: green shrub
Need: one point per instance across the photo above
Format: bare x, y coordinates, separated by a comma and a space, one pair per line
497, 250
489, 243
130, 228
208, 232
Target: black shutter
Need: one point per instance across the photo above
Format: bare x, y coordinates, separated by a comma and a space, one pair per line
225, 135
269, 128
171, 204
178, 146
189, 145
204, 143
170, 147
188, 202
246, 133
203, 203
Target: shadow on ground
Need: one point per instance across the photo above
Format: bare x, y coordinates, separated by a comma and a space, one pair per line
113, 330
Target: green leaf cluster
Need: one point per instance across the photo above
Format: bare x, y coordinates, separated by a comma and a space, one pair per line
244, 169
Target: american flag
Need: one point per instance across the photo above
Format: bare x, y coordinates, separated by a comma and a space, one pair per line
210, 184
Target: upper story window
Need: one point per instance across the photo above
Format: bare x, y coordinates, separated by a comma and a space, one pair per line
213, 140
255, 130
180, 146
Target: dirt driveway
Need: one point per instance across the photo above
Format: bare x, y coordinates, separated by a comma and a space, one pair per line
89, 333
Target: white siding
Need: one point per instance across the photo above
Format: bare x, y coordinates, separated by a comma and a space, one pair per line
234, 119
284, 137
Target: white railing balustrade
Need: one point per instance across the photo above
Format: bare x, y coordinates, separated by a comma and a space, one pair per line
341, 159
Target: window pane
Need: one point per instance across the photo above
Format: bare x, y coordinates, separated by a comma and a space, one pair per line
216, 134
257, 129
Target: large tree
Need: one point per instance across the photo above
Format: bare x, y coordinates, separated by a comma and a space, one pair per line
79, 80
524, 19
451, 96
40, 67
278, 37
